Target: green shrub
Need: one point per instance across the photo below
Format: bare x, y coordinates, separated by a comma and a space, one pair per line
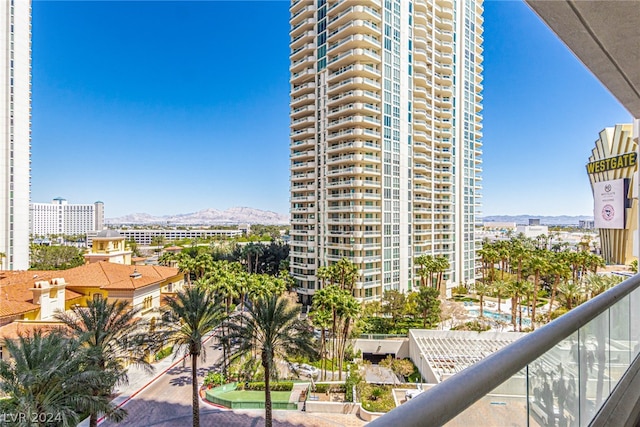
164, 353
460, 290
259, 386
353, 379
214, 378
474, 325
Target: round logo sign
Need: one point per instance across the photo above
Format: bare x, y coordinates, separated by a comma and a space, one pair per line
607, 188
608, 212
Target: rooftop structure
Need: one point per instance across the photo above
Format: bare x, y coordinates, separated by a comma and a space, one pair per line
441, 354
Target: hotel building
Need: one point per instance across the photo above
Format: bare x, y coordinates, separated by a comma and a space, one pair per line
60, 217
386, 137
15, 126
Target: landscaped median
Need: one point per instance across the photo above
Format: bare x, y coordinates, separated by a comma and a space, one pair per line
231, 396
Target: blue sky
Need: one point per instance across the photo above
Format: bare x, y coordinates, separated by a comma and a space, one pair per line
173, 107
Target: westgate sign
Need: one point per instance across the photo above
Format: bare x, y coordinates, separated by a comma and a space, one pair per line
618, 162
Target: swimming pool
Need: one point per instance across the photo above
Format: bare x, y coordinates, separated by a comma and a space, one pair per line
498, 316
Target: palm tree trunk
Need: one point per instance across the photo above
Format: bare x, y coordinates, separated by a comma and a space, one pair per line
194, 389
554, 289
535, 302
93, 420
268, 417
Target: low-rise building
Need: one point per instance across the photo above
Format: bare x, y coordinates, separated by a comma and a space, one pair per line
29, 299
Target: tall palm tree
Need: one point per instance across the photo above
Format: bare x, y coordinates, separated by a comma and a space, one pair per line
321, 318
113, 337
537, 264
194, 313
348, 310
441, 265
559, 268
47, 380
271, 326
481, 290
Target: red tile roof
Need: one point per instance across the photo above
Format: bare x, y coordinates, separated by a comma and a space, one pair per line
16, 296
16, 329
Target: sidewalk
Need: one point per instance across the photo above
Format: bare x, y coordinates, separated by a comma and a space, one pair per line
140, 378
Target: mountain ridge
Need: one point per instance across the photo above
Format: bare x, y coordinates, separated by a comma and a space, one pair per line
209, 216
544, 219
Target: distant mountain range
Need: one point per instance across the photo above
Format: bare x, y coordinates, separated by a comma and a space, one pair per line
245, 215
232, 216
544, 220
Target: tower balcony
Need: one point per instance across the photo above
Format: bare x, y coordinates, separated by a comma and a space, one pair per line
350, 121
302, 27
355, 70
305, 110
301, 89
302, 63
353, 83
370, 110
353, 41
352, 96
301, 39
354, 13
302, 122
303, 76
352, 145
302, 51
354, 27
301, 14
304, 100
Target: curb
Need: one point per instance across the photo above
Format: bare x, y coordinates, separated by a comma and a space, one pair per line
124, 402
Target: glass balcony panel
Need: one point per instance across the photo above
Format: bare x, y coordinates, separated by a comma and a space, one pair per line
553, 386
634, 321
594, 366
508, 401
620, 346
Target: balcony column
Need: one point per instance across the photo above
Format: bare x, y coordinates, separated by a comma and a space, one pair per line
636, 235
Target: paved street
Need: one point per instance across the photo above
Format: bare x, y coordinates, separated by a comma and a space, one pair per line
167, 402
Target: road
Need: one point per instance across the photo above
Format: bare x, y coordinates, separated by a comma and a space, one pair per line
167, 403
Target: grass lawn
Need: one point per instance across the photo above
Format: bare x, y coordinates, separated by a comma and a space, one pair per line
255, 396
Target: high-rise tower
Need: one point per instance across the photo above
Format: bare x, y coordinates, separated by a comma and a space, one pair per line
15, 129
385, 139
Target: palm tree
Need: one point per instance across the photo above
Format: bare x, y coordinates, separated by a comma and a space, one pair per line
273, 328
194, 313
47, 376
422, 261
113, 337
428, 303
481, 290
348, 310
499, 287
322, 318
559, 268
537, 264
441, 265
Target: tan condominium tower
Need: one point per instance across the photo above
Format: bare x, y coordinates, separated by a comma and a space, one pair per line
386, 137
15, 127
